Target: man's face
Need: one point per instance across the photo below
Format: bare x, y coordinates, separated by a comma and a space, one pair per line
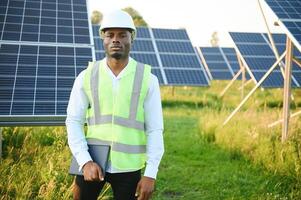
117, 43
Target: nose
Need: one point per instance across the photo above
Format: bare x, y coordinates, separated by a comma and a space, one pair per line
115, 39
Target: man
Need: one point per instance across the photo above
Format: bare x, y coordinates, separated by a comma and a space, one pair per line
120, 100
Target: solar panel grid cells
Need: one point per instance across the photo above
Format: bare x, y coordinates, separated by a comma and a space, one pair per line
295, 29
285, 9
45, 21
157, 73
259, 56
142, 46
185, 77
180, 34
216, 63
55, 68
175, 47
142, 32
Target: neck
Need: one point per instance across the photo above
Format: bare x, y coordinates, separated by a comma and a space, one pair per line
117, 66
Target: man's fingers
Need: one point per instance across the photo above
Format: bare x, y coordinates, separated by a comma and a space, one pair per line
141, 196
138, 190
100, 175
92, 172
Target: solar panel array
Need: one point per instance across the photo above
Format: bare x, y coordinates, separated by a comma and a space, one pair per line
44, 45
222, 62
289, 13
258, 54
169, 52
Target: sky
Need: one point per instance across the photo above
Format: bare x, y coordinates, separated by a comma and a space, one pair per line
199, 17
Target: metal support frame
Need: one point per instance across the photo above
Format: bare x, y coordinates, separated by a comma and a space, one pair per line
231, 82
271, 39
241, 71
254, 89
243, 78
204, 62
287, 88
246, 83
281, 120
297, 61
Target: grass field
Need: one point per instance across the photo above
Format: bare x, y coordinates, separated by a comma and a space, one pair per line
203, 160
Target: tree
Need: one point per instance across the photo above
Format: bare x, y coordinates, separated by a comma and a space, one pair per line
96, 17
138, 19
214, 39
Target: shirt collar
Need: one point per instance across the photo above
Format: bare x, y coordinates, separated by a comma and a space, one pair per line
123, 72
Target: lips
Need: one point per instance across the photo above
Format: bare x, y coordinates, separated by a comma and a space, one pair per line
116, 47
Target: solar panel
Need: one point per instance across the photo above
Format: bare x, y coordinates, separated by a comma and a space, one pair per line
222, 62
168, 51
289, 13
44, 21
258, 55
44, 45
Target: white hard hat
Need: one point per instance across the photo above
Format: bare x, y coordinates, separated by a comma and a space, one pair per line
117, 19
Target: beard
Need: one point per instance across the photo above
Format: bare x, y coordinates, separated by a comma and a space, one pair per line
117, 56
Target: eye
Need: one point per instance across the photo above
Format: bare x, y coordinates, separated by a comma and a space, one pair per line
108, 35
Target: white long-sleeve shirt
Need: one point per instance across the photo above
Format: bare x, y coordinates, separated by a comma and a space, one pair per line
76, 118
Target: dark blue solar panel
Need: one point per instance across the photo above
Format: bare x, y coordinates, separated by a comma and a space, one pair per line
150, 59
289, 13
99, 55
180, 34
274, 80
143, 45
221, 75
247, 38
185, 77
178, 47
214, 57
157, 73
44, 21
41, 77
180, 61
285, 9
143, 32
259, 56
222, 62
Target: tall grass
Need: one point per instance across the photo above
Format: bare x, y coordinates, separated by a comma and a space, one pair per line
34, 164
247, 134
203, 159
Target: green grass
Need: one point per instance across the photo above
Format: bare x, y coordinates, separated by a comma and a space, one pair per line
203, 160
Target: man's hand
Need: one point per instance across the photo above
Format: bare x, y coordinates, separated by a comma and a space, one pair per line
92, 172
145, 188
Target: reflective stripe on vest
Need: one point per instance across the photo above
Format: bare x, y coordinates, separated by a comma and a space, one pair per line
116, 146
130, 122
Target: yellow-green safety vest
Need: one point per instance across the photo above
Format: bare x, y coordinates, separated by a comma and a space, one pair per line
117, 118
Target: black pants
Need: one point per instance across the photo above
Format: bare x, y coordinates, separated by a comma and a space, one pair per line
123, 185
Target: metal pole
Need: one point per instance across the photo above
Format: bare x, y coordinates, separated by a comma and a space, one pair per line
270, 37
287, 88
205, 63
297, 61
231, 82
244, 85
243, 78
254, 89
